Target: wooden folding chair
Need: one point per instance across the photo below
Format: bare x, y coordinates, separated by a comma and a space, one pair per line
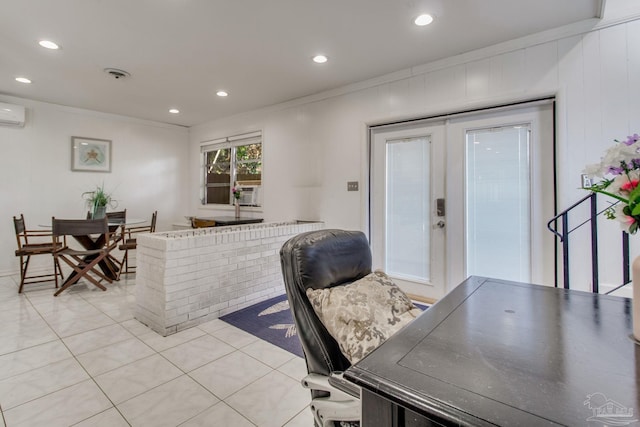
117, 225
40, 244
95, 238
130, 243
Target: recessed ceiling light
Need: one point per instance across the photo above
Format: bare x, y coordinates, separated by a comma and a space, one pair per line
48, 44
423, 20
222, 93
23, 80
174, 111
320, 59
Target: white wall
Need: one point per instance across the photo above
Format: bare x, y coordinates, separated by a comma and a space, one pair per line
313, 146
149, 169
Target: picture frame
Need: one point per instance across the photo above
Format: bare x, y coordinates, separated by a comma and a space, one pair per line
90, 154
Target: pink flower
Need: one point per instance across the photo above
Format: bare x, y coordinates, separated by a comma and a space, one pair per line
629, 186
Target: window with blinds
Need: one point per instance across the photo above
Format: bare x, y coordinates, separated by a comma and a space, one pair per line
235, 160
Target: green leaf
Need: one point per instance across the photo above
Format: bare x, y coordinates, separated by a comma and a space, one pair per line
615, 196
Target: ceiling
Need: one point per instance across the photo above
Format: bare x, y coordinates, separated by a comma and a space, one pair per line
181, 52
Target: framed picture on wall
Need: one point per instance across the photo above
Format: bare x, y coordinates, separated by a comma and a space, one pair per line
90, 154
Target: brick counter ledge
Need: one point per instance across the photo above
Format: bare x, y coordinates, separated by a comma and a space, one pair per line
188, 277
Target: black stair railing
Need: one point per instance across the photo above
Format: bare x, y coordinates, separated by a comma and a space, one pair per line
562, 235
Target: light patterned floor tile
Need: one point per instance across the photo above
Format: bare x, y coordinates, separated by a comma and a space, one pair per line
268, 353
303, 419
197, 352
15, 311
60, 409
135, 378
29, 336
169, 404
114, 356
230, 373
271, 401
38, 382
109, 418
32, 358
135, 327
213, 325
122, 356
234, 336
66, 328
296, 368
96, 338
63, 308
220, 415
160, 343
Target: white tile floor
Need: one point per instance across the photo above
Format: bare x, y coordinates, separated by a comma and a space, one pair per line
81, 359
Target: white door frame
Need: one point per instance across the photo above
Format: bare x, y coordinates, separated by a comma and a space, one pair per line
544, 185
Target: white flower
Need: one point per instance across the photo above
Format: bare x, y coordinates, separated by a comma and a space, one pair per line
594, 170
625, 221
613, 157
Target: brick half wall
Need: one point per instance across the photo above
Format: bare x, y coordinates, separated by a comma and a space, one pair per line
188, 277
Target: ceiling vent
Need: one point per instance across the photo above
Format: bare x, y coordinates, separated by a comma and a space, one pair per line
117, 74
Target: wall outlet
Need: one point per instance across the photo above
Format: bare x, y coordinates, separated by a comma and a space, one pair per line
352, 185
586, 181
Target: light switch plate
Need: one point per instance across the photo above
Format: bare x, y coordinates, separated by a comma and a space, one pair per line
352, 185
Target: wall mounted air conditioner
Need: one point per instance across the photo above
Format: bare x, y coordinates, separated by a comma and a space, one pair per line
249, 195
11, 115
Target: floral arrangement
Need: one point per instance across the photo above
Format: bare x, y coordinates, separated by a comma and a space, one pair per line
619, 175
237, 193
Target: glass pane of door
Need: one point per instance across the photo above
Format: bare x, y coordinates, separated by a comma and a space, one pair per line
408, 209
498, 203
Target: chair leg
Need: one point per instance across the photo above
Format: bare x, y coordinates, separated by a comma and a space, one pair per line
23, 271
82, 269
57, 270
126, 261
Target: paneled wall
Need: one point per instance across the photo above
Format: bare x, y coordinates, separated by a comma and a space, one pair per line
149, 170
313, 146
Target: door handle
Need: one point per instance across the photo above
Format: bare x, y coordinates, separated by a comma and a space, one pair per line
440, 207
440, 224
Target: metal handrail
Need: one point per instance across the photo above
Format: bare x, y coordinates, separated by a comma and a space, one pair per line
564, 239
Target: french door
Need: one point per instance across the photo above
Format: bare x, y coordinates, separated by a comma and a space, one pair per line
407, 228
466, 195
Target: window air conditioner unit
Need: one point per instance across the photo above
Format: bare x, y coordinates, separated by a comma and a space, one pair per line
11, 115
250, 195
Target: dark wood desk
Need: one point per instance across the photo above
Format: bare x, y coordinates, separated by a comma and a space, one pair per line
502, 353
232, 220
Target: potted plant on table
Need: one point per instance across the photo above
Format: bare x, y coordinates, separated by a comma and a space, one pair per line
97, 201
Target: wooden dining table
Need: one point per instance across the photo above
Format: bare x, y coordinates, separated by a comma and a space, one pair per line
91, 242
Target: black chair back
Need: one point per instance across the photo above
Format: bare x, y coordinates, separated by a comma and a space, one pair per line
317, 260
79, 227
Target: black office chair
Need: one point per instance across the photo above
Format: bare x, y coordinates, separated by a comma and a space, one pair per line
318, 260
